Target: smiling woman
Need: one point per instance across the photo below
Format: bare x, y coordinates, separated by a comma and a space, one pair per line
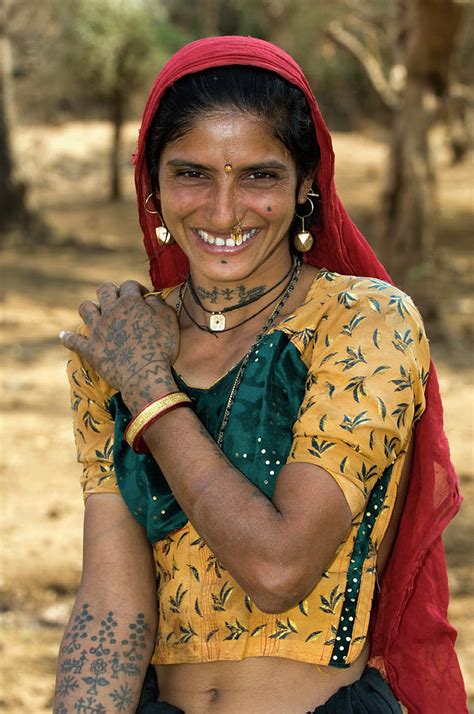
261, 436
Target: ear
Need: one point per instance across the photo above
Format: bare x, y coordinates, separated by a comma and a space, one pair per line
304, 189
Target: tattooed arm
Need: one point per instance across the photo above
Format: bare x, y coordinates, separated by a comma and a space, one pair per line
276, 549
109, 639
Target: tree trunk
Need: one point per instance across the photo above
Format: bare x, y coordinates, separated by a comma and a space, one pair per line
13, 208
428, 30
410, 200
117, 111
17, 219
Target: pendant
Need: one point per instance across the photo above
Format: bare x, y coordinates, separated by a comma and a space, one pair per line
217, 322
303, 241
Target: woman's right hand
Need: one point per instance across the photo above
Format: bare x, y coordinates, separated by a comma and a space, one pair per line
133, 340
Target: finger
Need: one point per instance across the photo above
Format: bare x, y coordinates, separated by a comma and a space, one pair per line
89, 311
107, 294
132, 287
74, 342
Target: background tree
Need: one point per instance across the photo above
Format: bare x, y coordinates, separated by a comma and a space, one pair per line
113, 49
412, 77
16, 215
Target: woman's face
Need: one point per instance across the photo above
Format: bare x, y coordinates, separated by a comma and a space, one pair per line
201, 200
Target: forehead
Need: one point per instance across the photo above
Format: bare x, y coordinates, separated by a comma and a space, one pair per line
228, 136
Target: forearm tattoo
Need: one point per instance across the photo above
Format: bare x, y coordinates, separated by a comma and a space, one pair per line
102, 663
240, 292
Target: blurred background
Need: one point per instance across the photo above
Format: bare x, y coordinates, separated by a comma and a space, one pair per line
392, 79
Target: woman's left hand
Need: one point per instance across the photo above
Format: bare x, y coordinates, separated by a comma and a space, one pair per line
133, 341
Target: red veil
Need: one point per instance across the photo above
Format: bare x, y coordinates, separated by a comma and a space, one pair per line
412, 642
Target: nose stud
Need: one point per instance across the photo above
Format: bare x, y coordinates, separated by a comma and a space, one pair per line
236, 230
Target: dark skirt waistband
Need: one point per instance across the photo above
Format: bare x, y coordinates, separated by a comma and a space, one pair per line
369, 695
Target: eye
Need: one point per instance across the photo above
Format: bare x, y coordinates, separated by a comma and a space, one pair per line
260, 179
261, 176
190, 174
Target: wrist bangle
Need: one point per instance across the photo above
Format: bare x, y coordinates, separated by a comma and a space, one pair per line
151, 413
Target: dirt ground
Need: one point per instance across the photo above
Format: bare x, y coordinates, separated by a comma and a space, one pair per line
41, 506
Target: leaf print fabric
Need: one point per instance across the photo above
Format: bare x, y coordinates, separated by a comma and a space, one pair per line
93, 426
373, 352
360, 360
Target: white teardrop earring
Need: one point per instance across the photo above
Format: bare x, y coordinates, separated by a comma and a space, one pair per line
162, 233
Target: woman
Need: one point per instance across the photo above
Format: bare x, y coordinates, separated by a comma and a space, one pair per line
273, 498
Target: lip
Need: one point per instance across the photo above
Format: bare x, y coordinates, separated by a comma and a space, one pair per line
219, 249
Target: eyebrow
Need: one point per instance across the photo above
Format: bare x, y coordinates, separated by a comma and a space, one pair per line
271, 164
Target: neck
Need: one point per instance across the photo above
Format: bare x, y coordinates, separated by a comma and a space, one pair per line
243, 294
222, 307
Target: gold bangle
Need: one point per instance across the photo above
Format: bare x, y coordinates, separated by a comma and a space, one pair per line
152, 412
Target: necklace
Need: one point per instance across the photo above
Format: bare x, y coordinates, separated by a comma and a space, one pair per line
217, 320
238, 378
205, 328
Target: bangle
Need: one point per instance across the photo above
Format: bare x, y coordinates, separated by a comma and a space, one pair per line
151, 413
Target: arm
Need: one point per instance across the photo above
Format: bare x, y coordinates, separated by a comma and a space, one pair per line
109, 640
277, 549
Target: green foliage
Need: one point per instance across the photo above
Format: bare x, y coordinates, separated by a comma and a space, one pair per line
115, 47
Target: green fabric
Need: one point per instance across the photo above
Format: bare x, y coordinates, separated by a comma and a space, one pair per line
257, 439
362, 544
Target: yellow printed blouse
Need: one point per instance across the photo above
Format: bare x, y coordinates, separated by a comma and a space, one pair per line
340, 384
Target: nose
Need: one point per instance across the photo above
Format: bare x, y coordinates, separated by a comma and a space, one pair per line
222, 207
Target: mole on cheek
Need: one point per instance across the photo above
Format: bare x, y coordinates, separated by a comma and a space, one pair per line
269, 209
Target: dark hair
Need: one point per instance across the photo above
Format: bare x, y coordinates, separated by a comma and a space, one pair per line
251, 90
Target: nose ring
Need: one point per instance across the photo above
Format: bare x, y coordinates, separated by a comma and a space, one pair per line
236, 230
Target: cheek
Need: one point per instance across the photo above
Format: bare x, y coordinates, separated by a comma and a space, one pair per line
180, 202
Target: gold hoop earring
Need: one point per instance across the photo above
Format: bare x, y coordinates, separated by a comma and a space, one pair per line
163, 235
304, 240
146, 201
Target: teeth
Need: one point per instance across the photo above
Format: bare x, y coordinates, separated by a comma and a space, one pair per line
228, 242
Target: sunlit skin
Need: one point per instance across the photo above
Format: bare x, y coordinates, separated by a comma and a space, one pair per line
276, 548
196, 193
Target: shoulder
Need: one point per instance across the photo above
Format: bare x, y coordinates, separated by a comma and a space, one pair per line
352, 292
358, 309
171, 296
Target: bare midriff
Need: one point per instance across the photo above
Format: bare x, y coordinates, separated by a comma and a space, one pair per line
256, 685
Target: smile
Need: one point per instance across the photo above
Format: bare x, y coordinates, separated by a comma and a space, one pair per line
227, 242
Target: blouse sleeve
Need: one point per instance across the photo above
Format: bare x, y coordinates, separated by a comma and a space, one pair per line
93, 427
365, 389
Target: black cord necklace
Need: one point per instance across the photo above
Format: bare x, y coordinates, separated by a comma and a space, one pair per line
217, 320
295, 270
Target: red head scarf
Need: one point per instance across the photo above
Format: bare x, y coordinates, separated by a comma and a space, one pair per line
412, 642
